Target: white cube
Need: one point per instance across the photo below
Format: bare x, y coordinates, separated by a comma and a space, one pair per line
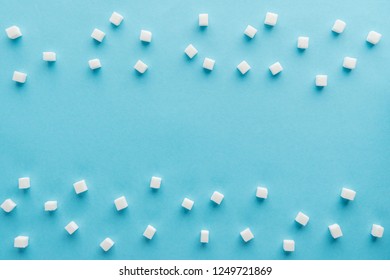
203, 19
339, 26
303, 43
98, 35
19, 77
321, 80
190, 51
13, 32
276, 68
155, 182
24, 183
289, 245
116, 18
8, 205
49, 56
374, 37
262, 192
247, 235
149, 232
21, 241
250, 31
140, 66
120, 203
349, 62
302, 219
377, 231
145, 36
217, 197
243, 67
107, 244
80, 187
348, 194
187, 204
51, 205
335, 231
271, 19
71, 227
204, 236
94, 63
208, 64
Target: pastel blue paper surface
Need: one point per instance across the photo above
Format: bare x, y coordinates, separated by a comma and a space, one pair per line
199, 131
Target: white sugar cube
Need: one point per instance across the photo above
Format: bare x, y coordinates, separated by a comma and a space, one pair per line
51, 205
203, 19
289, 245
262, 192
250, 31
271, 19
321, 80
204, 236
98, 35
303, 42
21, 241
208, 63
247, 235
190, 51
348, 194
349, 62
71, 227
49, 56
155, 182
19, 77
24, 183
116, 18
339, 26
377, 231
276, 68
13, 32
80, 187
302, 219
94, 63
335, 231
243, 67
145, 36
140, 66
120, 203
187, 204
107, 244
8, 205
217, 197
374, 37
149, 232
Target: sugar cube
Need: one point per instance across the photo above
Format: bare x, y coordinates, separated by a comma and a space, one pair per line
94, 63
374, 37
335, 231
377, 231
271, 19
348, 194
116, 18
149, 232
250, 31
349, 62
21, 241
19, 77
98, 35
106, 244
217, 197
262, 192
140, 66
24, 183
303, 42
145, 36
243, 67
203, 19
120, 203
155, 182
190, 51
8, 205
187, 204
71, 227
204, 236
276, 68
49, 56
321, 80
208, 64
13, 32
80, 187
51, 205
247, 235
302, 219
338, 26
289, 245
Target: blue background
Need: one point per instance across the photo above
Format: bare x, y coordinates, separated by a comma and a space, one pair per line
199, 131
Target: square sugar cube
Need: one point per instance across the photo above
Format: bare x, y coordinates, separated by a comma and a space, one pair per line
204, 236
80, 187
335, 231
203, 20
262, 192
155, 182
8, 205
106, 244
21, 242
246, 235
116, 18
243, 67
339, 26
145, 36
321, 80
120, 203
348, 194
149, 232
302, 219
250, 31
187, 204
377, 231
140, 66
190, 51
49, 56
13, 32
276, 68
19, 77
349, 62
271, 19
94, 63
374, 37
98, 35
51, 205
217, 197
24, 183
71, 227
208, 64
289, 245
303, 42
